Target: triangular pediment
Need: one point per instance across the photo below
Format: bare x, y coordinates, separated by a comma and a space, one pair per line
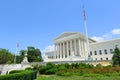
69, 35
66, 34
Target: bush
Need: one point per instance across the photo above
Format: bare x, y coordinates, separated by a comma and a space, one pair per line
84, 66
50, 65
42, 69
62, 68
60, 73
50, 68
67, 65
51, 71
15, 71
28, 68
24, 75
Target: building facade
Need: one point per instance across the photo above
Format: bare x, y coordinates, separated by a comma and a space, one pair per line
72, 46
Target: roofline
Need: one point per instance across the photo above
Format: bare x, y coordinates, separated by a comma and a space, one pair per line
105, 41
76, 33
65, 32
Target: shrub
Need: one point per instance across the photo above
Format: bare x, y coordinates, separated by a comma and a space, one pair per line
24, 75
50, 65
51, 71
28, 68
15, 71
61, 70
67, 65
42, 69
50, 68
60, 73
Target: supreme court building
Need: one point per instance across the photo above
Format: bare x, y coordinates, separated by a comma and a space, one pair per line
72, 46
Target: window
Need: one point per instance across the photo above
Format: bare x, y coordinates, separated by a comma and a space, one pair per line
100, 52
105, 51
90, 52
111, 51
95, 52
101, 59
106, 58
95, 58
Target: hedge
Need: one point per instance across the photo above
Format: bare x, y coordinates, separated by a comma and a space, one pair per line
15, 71
24, 75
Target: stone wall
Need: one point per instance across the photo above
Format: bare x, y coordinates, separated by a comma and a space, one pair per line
4, 69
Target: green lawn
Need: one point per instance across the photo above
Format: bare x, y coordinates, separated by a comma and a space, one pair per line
74, 77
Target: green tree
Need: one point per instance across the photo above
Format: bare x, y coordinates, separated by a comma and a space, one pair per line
34, 55
22, 53
38, 54
19, 58
116, 57
6, 56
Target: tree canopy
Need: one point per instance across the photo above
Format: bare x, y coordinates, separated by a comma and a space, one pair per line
6, 57
116, 57
34, 55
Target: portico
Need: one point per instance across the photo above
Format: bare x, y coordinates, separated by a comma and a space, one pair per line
70, 46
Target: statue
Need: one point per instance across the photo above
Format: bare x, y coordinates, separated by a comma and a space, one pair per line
25, 60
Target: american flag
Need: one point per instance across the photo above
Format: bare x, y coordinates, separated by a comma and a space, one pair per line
84, 15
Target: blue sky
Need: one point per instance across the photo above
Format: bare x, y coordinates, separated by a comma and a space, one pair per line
37, 22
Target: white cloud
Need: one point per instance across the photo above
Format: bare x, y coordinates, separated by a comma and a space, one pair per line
115, 31
99, 39
110, 35
48, 48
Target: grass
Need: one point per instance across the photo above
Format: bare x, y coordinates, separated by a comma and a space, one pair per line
75, 77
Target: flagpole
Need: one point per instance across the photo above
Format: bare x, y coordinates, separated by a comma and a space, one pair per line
15, 56
86, 31
16, 53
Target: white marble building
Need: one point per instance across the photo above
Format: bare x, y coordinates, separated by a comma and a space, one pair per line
72, 46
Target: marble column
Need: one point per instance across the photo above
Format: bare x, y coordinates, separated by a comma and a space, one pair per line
67, 48
82, 53
71, 48
79, 47
55, 51
86, 49
63, 49
83, 48
60, 50
75, 48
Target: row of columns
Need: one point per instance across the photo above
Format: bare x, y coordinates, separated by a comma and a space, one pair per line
69, 48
